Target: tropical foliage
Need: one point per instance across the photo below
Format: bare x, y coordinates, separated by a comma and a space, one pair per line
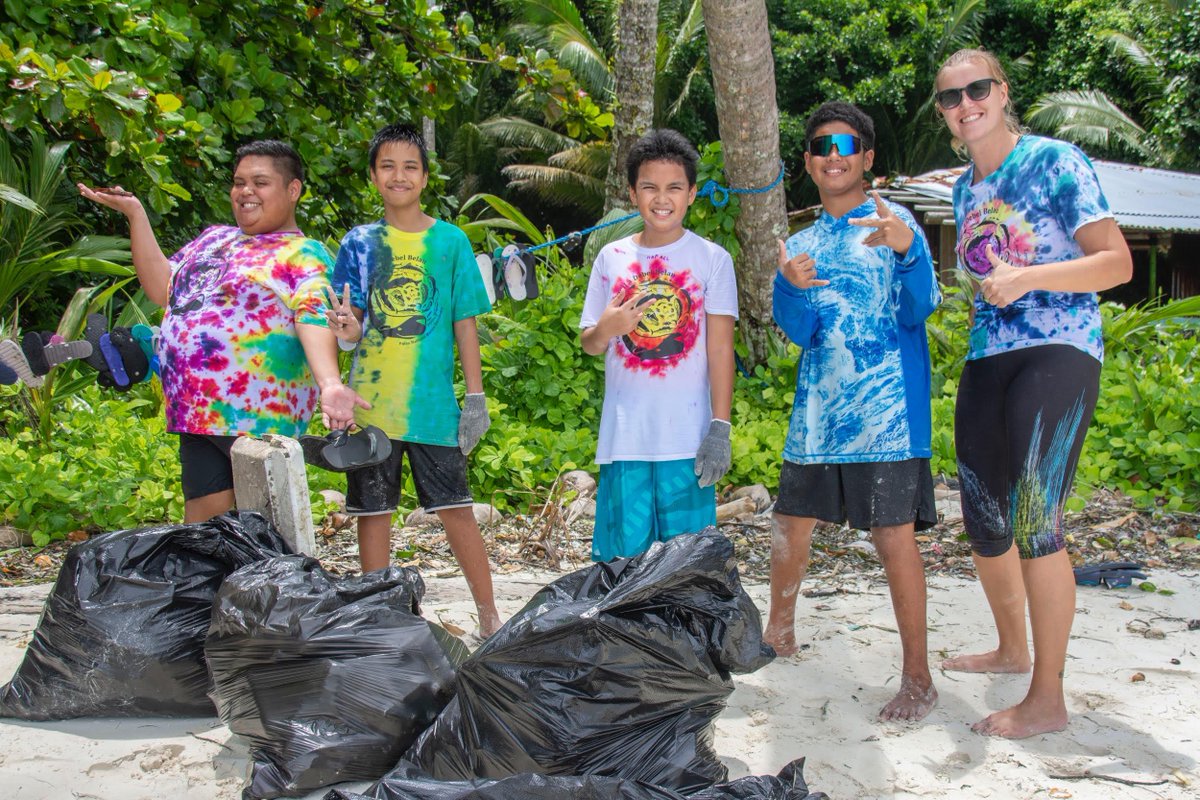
157, 94
1117, 79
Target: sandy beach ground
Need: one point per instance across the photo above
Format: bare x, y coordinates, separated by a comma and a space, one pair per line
820, 704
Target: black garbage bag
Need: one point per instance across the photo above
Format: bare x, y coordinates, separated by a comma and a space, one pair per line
618, 669
406, 782
331, 679
122, 633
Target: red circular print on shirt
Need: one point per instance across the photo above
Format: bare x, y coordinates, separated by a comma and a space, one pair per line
670, 323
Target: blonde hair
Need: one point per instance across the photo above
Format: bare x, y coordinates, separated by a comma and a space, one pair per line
988, 60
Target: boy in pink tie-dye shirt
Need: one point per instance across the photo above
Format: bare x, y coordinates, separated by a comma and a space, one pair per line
245, 348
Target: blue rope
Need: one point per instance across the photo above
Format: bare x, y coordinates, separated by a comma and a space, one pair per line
578, 235
717, 194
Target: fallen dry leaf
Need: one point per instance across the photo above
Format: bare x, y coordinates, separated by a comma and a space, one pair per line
1116, 523
78, 536
1126, 605
452, 629
43, 560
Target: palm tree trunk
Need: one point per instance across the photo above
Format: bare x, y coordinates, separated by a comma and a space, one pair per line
637, 44
743, 70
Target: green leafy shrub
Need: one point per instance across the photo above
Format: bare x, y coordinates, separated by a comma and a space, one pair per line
1145, 437
110, 466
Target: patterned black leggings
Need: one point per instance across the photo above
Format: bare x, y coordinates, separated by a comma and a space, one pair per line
1019, 425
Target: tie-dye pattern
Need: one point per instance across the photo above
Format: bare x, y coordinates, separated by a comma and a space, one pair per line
1028, 211
231, 361
412, 288
657, 400
862, 384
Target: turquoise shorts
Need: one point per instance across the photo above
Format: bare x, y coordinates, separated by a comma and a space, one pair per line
639, 503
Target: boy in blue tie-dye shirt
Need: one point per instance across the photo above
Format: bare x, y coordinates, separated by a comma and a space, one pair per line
854, 290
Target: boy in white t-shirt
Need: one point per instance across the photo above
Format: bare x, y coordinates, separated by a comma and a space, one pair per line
660, 306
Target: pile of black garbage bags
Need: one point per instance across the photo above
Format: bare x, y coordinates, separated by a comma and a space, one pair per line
606, 685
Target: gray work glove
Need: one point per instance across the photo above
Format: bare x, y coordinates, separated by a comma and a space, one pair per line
473, 422
713, 457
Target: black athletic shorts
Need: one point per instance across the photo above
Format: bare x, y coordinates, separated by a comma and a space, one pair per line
868, 495
205, 464
439, 473
1019, 424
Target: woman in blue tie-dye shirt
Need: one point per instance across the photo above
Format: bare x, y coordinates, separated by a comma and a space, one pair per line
1037, 236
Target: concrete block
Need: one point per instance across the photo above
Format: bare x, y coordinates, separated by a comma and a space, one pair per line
269, 477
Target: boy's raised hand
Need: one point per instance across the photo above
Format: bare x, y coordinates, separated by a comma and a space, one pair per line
340, 314
800, 271
621, 316
890, 230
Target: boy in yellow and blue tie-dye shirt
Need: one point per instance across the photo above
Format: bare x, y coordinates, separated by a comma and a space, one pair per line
413, 291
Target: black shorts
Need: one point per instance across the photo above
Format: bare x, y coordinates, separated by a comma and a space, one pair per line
868, 495
1019, 424
439, 473
205, 464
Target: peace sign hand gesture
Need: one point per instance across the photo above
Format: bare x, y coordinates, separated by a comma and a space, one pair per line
621, 316
890, 230
342, 320
800, 271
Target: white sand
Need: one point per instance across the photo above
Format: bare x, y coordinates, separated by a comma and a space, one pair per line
820, 705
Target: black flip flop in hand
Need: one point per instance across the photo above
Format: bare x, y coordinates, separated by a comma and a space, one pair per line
342, 451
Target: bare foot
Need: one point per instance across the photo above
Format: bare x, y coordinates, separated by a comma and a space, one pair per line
782, 640
1027, 718
489, 622
992, 661
914, 701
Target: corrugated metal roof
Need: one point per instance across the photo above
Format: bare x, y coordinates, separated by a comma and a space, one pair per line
1141, 198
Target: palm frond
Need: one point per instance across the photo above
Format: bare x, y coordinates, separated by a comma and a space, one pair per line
590, 159
557, 186
961, 29
545, 13
521, 133
1087, 117
10, 195
598, 239
589, 66
689, 29
509, 212
1145, 73
684, 91
1145, 317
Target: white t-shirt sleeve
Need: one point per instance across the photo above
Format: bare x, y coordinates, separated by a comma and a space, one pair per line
597, 297
720, 293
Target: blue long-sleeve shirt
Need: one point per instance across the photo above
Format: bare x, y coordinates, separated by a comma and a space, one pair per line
862, 388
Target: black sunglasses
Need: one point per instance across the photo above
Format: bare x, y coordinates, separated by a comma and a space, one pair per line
976, 90
846, 144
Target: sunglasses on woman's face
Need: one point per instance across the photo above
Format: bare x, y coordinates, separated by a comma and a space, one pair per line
976, 90
846, 144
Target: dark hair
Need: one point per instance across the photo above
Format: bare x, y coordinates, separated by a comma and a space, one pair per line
662, 144
287, 160
398, 132
837, 111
